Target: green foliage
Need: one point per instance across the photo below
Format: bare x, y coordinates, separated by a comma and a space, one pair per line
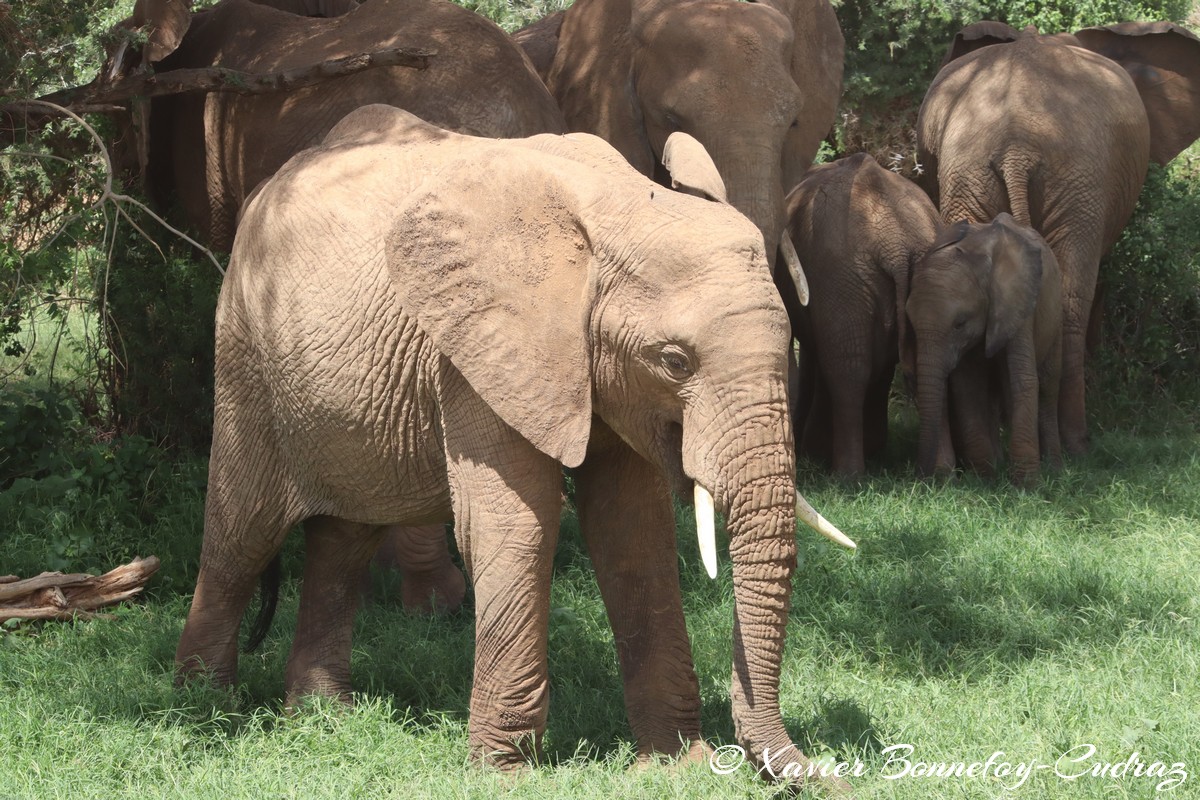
512, 15
49, 44
1151, 335
160, 308
70, 500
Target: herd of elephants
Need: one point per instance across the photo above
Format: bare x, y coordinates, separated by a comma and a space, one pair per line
592, 244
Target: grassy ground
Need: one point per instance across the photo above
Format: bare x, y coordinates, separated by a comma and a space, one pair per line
975, 618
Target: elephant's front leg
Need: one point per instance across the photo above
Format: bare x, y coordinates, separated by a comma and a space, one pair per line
507, 504
1022, 387
626, 517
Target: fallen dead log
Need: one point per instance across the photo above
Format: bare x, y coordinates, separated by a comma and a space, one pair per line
53, 595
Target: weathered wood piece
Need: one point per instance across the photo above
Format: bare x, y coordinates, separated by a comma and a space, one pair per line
53, 595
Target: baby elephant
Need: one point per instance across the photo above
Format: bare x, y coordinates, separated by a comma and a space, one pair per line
858, 229
985, 307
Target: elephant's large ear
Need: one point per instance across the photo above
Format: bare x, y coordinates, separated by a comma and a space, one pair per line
977, 36
539, 40
165, 21
818, 59
592, 77
692, 168
1016, 280
493, 262
1164, 61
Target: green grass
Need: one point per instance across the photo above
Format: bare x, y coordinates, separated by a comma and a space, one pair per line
974, 618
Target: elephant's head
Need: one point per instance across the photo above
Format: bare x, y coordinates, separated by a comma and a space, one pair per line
596, 292
978, 286
756, 83
1161, 58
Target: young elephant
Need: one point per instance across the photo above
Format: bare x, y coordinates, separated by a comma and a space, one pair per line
418, 325
858, 229
988, 291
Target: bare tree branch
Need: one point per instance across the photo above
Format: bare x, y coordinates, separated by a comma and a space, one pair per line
99, 96
120, 200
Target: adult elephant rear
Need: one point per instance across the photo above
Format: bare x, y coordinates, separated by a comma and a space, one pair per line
1059, 131
207, 152
756, 83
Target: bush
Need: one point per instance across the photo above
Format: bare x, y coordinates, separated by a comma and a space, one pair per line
160, 308
72, 502
1151, 333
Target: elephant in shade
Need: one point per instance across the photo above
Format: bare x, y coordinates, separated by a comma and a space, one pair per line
985, 308
859, 229
208, 151
757, 84
1058, 130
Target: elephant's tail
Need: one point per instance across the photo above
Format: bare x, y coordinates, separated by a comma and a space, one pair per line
268, 593
1017, 175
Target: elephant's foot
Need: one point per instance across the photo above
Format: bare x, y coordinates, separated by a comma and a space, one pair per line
431, 583
1076, 444
314, 686
507, 752
193, 663
439, 592
697, 751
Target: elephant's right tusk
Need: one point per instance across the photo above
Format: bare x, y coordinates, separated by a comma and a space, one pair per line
794, 269
706, 528
814, 520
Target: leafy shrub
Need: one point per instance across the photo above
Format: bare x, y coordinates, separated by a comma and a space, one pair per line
160, 308
72, 502
1151, 334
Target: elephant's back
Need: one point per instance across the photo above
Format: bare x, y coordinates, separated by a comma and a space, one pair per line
478, 81
854, 205
1040, 92
343, 373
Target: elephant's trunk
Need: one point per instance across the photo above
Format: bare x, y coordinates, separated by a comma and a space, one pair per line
931, 406
753, 186
759, 498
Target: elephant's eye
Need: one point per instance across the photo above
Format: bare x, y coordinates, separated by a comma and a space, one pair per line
673, 121
677, 362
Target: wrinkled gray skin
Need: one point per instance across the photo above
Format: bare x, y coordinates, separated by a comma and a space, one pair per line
470, 316
1058, 131
986, 299
858, 229
756, 83
208, 152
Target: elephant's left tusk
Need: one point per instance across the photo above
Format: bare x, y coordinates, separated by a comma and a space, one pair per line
706, 528
814, 520
794, 269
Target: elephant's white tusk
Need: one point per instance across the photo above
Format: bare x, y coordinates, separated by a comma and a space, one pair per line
794, 269
814, 520
706, 528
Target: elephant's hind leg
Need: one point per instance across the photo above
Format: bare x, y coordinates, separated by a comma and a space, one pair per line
335, 554
242, 534
430, 581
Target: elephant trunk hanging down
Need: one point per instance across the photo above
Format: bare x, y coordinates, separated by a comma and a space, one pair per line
469, 316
